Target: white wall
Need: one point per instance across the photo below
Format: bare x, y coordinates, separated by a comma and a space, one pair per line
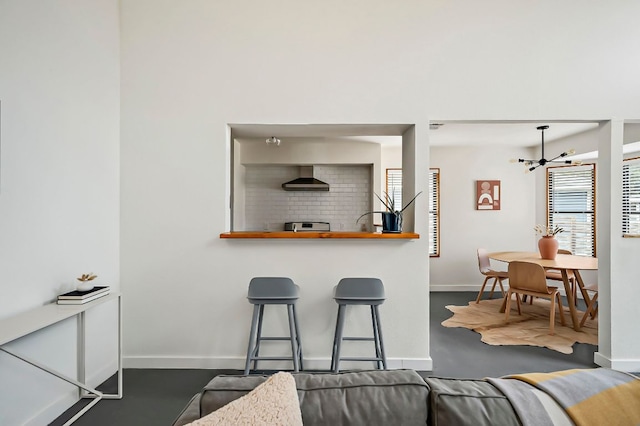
309, 151
268, 206
190, 68
463, 229
618, 266
59, 189
631, 134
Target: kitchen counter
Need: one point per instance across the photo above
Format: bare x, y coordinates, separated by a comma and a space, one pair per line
311, 234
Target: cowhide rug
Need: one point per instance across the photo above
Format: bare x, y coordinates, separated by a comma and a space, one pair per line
531, 328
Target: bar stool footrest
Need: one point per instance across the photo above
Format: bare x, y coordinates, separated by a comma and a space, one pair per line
274, 338
360, 339
271, 358
360, 359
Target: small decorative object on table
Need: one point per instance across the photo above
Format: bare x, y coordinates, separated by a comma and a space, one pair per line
391, 218
86, 281
548, 245
77, 297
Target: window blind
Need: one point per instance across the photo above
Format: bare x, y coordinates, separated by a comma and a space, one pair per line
394, 186
394, 189
434, 212
571, 201
631, 197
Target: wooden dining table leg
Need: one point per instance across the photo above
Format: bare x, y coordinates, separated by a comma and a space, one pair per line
572, 307
580, 284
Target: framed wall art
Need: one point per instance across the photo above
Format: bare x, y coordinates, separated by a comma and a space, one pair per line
488, 195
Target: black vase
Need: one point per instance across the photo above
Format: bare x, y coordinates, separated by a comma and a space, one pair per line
391, 222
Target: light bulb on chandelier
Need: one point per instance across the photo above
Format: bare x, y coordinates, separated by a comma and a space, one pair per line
273, 141
534, 164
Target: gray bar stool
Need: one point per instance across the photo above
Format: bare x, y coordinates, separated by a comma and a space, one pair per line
273, 291
359, 291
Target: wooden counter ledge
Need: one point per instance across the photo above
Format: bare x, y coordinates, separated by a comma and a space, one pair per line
309, 234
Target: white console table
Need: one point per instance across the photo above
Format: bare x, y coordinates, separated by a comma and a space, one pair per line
27, 322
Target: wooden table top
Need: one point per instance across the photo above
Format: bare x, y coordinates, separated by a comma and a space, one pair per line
321, 235
562, 261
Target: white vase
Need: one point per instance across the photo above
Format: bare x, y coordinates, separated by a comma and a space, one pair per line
85, 286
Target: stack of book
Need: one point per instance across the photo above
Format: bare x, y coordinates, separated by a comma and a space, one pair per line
77, 297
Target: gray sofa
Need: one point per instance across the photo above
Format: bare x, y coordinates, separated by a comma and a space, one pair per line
380, 397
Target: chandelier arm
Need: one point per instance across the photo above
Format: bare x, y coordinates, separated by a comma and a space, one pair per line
564, 154
531, 165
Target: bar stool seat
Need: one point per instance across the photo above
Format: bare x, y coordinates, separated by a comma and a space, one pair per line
273, 291
359, 291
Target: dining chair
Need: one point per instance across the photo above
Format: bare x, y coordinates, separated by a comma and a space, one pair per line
485, 269
529, 279
592, 306
556, 275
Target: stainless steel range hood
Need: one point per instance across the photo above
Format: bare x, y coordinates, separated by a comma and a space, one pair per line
306, 182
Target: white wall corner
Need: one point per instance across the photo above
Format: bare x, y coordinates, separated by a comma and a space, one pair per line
419, 364
53, 410
626, 365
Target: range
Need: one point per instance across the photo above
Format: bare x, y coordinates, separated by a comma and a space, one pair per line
307, 226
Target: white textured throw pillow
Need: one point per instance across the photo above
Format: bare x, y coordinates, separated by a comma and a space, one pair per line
274, 402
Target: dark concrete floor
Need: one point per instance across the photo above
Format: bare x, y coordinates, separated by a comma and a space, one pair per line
458, 352
156, 397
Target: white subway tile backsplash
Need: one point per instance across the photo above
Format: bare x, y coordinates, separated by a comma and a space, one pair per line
268, 206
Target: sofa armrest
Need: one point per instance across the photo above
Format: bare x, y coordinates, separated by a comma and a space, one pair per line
190, 413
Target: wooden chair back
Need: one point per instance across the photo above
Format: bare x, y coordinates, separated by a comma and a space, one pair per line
483, 261
556, 275
527, 276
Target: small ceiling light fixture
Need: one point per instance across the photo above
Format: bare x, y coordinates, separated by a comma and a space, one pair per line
534, 164
273, 141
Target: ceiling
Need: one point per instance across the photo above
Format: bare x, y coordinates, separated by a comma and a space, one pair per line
316, 130
519, 134
449, 133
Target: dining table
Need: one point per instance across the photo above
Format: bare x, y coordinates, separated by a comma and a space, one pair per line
565, 263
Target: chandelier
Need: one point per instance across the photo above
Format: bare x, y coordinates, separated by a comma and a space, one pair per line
534, 164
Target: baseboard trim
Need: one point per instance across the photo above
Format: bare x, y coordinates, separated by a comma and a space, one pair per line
237, 363
601, 360
49, 413
626, 365
457, 287
161, 362
476, 288
68, 399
